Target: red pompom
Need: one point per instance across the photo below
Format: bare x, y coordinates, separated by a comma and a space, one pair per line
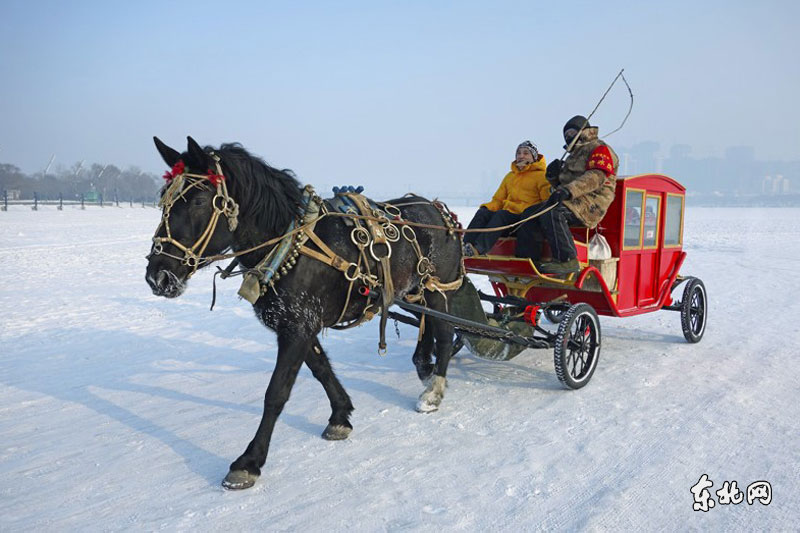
215, 179
177, 169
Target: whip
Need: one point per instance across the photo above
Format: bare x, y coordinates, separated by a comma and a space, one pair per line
630, 108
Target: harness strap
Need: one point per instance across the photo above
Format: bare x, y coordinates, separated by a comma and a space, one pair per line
336, 262
387, 284
328, 256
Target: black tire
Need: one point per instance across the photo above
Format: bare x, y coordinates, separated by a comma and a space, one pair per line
694, 310
555, 314
577, 347
458, 343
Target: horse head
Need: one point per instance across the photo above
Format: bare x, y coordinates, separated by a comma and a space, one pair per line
198, 218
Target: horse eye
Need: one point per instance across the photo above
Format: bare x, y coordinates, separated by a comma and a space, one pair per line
199, 201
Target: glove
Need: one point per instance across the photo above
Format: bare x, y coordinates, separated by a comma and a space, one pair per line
553, 170
559, 195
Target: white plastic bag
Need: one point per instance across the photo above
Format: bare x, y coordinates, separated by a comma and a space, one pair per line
599, 248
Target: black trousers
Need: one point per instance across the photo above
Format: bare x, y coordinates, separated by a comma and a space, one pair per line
485, 218
554, 226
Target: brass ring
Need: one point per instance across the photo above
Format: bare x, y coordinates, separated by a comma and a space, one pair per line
355, 272
219, 209
360, 236
392, 210
413, 237
424, 266
375, 257
391, 232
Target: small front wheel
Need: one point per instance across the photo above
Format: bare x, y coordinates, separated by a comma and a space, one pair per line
555, 313
458, 343
577, 346
694, 310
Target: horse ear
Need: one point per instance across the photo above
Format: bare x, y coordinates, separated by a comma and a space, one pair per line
197, 156
169, 155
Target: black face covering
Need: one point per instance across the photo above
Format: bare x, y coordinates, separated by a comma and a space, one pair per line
575, 123
569, 135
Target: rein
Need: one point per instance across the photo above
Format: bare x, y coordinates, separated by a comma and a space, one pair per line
381, 228
182, 182
221, 257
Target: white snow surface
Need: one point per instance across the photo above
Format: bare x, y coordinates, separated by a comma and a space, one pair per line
120, 410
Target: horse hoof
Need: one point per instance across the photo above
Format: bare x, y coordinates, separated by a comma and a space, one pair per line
336, 432
426, 407
430, 399
239, 479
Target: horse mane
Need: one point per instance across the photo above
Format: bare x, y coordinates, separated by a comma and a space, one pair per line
268, 197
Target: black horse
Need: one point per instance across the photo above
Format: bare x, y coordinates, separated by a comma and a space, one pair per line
308, 297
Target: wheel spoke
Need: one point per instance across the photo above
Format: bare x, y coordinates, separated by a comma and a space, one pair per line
570, 362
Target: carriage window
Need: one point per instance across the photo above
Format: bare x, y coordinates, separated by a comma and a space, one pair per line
651, 206
674, 221
633, 218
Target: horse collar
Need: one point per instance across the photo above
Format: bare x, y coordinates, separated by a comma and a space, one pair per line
283, 256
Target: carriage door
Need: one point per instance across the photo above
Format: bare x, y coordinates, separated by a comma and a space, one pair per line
649, 260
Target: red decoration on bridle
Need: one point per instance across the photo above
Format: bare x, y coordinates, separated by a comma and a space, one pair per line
177, 169
215, 179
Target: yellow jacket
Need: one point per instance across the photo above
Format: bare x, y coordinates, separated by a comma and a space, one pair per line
521, 189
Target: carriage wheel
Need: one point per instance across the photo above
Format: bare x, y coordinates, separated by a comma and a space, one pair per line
555, 313
577, 346
694, 310
458, 343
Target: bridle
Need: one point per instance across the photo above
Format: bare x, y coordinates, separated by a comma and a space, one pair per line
179, 184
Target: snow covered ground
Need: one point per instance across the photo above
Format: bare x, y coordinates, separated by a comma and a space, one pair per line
122, 411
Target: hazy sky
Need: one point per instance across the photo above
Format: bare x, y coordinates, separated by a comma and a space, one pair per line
414, 93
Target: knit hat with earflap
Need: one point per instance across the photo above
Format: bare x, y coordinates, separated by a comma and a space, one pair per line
530, 146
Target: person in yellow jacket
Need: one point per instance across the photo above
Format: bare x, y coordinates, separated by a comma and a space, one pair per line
523, 187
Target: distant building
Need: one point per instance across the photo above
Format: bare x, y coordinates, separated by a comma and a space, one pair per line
776, 185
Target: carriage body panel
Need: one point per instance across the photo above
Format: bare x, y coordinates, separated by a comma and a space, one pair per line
644, 229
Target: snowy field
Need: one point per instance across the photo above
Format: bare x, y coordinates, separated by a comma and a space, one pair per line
122, 411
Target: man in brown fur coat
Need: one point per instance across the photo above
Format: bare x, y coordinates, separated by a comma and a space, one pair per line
583, 186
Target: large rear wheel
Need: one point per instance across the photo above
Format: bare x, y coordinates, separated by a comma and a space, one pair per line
694, 310
577, 346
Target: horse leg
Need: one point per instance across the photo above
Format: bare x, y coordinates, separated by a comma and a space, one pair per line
432, 396
422, 354
339, 426
245, 470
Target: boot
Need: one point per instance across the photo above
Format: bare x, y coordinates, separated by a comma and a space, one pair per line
565, 267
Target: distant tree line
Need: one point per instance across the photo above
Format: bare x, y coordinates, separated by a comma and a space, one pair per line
106, 181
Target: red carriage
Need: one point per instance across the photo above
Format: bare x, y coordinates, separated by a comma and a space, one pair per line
644, 231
